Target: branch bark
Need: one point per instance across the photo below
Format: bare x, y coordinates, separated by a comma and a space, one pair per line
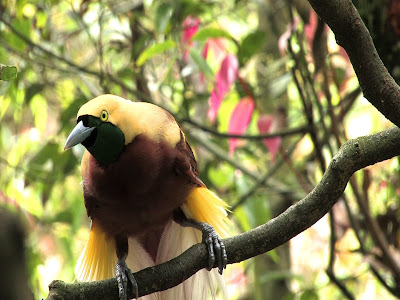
376, 83
352, 156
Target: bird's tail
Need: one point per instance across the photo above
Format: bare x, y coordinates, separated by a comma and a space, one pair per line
98, 258
202, 285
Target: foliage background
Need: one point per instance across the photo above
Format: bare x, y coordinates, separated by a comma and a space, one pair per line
288, 65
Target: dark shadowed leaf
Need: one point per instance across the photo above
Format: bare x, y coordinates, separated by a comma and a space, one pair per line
32, 91
252, 44
163, 15
309, 295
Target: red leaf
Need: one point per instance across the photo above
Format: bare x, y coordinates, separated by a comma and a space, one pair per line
190, 27
240, 120
266, 124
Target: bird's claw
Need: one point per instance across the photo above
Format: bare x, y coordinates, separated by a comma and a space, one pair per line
124, 275
215, 247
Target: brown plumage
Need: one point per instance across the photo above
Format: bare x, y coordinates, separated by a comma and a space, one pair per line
156, 175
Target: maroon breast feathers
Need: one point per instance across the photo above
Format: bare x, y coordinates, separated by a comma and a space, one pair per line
141, 189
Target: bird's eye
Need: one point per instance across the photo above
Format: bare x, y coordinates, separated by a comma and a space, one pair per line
104, 116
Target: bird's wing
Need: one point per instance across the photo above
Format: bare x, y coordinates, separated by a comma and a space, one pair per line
201, 204
186, 164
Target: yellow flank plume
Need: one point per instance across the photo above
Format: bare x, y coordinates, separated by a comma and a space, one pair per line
204, 206
98, 259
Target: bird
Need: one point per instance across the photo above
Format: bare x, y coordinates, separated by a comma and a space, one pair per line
144, 196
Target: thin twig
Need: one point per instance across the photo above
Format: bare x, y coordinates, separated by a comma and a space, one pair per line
263, 180
283, 133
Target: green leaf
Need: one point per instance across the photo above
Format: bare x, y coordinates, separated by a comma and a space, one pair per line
8, 73
251, 44
48, 152
163, 15
201, 63
280, 275
154, 50
210, 33
23, 26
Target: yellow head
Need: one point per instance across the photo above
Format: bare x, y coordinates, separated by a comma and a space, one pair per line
108, 123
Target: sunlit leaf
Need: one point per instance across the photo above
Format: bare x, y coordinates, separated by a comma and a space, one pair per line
210, 32
41, 19
38, 106
154, 50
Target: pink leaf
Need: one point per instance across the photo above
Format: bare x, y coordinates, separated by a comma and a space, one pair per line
222, 86
309, 29
266, 124
344, 53
214, 103
225, 77
204, 54
190, 27
218, 47
229, 70
240, 120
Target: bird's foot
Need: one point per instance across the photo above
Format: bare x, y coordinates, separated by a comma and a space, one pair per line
124, 275
215, 247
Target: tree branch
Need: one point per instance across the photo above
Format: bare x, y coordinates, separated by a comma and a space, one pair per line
376, 83
352, 156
